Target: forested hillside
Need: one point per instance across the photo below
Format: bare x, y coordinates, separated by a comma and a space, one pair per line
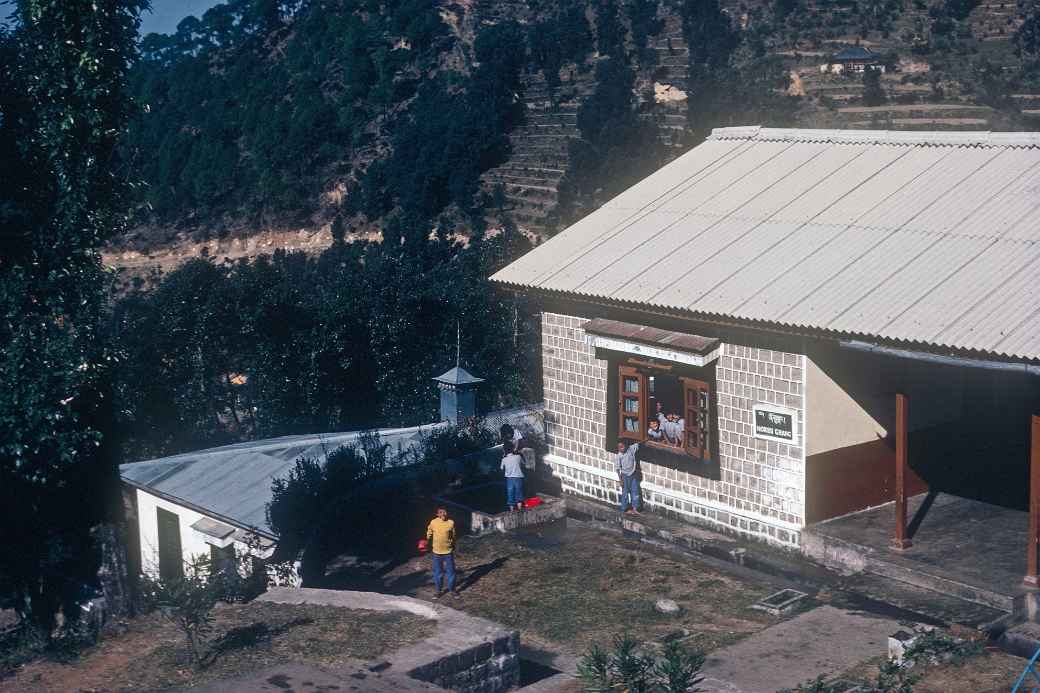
264, 114
284, 115
414, 147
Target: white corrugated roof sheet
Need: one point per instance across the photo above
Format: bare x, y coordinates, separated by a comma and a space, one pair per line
921, 237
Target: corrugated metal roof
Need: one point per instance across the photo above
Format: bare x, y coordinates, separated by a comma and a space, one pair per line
233, 482
926, 237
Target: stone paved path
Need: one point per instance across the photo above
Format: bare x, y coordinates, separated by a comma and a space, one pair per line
825, 641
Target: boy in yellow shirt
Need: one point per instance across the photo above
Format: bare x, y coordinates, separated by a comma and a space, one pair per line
441, 535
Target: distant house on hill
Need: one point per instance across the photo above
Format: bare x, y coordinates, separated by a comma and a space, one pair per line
855, 59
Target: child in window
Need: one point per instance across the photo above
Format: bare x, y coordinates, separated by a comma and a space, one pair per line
654, 433
672, 429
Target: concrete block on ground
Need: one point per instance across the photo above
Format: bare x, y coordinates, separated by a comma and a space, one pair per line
826, 640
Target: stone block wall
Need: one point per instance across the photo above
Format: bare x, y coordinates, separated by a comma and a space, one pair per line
491, 667
761, 492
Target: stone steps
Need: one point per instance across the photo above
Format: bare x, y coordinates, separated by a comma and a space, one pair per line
525, 182
515, 167
540, 193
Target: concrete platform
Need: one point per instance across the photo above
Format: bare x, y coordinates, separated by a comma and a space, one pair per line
824, 640
964, 548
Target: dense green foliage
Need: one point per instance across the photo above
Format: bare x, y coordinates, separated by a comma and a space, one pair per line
644, 23
62, 75
610, 34
873, 94
617, 148
298, 344
562, 37
323, 507
629, 667
253, 106
454, 131
732, 81
1027, 37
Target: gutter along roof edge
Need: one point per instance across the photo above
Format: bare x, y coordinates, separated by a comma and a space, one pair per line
778, 328
935, 138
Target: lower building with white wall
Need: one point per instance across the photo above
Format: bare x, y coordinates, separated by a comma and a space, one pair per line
213, 503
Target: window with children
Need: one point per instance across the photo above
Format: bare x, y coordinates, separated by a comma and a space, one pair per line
669, 409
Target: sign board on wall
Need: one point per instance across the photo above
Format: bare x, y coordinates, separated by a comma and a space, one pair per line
774, 423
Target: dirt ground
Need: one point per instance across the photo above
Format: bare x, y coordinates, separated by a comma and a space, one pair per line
567, 588
149, 653
993, 671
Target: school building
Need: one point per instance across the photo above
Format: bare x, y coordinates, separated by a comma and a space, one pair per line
839, 320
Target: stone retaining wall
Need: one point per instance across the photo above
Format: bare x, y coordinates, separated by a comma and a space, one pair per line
486, 668
467, 653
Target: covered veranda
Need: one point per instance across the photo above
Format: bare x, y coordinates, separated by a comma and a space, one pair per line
964, 518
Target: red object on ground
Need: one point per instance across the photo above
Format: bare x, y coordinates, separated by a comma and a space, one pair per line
422, 546
532, 502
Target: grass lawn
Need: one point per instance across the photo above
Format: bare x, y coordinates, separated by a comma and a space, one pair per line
151, 654
565, 588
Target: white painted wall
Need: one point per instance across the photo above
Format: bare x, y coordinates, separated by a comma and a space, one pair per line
851, 396
193, 543
840, 421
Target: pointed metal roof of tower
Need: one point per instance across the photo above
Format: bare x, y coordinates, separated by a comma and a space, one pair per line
458, 375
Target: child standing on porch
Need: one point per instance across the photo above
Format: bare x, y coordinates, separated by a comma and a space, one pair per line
628, 475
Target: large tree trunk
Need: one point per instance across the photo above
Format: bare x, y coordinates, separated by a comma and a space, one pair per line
114, 575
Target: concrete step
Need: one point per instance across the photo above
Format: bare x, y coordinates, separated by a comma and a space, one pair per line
840, 554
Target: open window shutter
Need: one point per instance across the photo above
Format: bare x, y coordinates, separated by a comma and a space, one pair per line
631, 404
697, 418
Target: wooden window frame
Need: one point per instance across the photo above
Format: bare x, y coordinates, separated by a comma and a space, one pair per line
640, 400
698, 410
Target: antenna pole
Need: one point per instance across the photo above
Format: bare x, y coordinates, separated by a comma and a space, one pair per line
458, 343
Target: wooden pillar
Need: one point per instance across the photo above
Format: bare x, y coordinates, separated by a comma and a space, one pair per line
1031, 579
901, 541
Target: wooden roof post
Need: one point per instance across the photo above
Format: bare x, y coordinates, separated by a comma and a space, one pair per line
1031, 579
901, 541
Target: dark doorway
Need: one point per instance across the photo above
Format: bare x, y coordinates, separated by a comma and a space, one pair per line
171, 562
